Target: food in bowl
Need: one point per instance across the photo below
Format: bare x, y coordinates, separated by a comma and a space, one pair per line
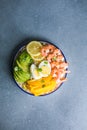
39, 68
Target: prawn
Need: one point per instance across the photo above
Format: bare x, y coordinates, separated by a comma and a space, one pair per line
63, 65
50, 57
59, 81
50, 48
55, 73
54, 64
57, 52
45, 50
60, 58
58, 74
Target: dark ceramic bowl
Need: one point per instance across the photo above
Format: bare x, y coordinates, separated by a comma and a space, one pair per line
18, 50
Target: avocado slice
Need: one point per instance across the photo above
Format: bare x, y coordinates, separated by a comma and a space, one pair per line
21, 67
24, 68
24, 58
19, 77
21, 74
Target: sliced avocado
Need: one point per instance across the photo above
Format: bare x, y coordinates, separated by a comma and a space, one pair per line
24, 68
24, 74
21, 67
23, 61
21, 74
24, 58
18, 79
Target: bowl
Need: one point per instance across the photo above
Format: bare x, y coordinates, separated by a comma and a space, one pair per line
25, 78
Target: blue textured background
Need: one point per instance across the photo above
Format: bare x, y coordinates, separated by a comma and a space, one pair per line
63, 22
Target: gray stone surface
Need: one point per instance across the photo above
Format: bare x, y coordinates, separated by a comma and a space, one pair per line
63, 22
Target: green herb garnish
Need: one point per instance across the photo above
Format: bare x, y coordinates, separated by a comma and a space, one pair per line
42, 81
43, 85
39, 69
54, 58
45, 62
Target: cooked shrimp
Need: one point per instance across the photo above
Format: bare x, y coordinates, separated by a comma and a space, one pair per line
60, 58
45, 50
63, 71
50, 48
59, 81
55, 73
50, 57
63, 65
59, 73
54, 64
57, 52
